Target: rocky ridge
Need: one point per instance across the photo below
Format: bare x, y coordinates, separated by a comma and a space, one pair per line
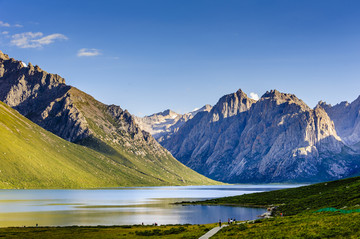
346, 117
45, 99
275, 139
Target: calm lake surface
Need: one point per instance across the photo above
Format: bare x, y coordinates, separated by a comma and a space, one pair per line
123, 206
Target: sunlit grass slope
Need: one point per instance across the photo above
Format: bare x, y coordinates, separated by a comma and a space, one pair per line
31, 157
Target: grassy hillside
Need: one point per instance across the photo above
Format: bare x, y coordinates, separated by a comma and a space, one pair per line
120, 140
337, 194
31, 157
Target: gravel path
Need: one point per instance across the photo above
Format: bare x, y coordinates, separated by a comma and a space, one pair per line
212, 232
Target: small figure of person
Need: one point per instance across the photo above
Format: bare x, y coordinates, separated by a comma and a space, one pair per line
231, 220
219, 222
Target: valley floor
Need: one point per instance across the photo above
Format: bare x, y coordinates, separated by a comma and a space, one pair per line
295, 216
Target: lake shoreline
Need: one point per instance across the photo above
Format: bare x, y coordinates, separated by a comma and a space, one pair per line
130, 206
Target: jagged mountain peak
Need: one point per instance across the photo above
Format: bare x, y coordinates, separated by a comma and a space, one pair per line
168, 112
239, 94
323, 104
3, 56
280, 98
164, 113
275, 94
17, 72
346, 117
272, 93
206, 108
231, 104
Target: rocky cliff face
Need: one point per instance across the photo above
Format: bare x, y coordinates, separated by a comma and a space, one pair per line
42, 97
276, 139
346, 118
45, 99
162, 125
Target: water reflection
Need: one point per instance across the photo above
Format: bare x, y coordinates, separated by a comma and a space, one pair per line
123, 206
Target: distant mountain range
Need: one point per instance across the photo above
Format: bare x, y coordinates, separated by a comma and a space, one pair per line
122, 153
164, 124
275, 139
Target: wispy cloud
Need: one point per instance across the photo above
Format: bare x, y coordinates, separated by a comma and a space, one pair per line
35, 39
254, 96
4, 24
88, 52
5, 32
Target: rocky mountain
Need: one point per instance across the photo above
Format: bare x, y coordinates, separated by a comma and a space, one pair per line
77, 117
162, 125
275, 139
346, 117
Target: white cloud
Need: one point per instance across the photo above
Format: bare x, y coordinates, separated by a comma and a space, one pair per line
4, 24
254, 96
88, 52
5, 32
35, 39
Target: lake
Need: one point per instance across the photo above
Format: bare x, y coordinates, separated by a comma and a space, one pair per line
123, 206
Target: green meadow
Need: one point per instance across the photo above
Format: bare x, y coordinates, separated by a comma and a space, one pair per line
304, 225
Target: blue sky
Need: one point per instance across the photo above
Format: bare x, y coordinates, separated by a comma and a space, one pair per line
150, 55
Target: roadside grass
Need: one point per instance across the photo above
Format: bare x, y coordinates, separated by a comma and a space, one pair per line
305, 225
136, 231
